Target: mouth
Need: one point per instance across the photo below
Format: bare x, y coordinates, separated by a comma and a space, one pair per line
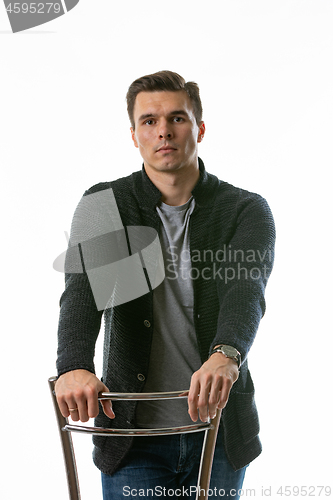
165, 149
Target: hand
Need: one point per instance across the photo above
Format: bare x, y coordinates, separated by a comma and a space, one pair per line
79, 389
210, 386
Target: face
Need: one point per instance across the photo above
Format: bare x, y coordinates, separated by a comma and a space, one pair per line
166, 131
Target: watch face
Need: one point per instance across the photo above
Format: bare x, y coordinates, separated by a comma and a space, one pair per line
229, 351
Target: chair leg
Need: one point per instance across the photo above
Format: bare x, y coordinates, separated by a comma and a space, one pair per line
207, 456
67, 448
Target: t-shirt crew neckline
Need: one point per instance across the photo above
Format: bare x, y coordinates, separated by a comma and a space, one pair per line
176, 208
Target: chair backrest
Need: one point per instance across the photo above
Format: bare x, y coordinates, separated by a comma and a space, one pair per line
210, 428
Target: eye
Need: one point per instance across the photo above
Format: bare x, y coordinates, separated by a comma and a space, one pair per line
178, 119
148, 122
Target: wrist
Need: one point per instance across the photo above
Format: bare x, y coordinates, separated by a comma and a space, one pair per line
223, 359
228, 352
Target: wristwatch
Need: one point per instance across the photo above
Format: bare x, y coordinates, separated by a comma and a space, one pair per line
229, 352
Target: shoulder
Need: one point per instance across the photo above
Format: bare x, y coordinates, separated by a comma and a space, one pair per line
238, 200
236, 193
212, 190
122, 184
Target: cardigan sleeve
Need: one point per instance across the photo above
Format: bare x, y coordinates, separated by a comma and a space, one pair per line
79, 325
80, 319
246, 267
95, 219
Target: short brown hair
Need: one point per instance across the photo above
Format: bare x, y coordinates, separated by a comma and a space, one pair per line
163, 81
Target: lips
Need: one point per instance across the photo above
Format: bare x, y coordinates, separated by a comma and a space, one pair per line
166, 149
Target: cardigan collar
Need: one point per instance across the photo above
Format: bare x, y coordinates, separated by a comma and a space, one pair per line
203, 192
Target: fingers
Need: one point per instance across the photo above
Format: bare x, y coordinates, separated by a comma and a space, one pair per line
204, 396
64, 408
224, 394
79, 404
107, 408
192, 398
214, 396
77, 396
86, 407
210, 388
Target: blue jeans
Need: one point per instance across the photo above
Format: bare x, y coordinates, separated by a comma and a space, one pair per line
165, 466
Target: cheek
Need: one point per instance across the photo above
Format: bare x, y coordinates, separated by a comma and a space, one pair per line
191, 141
144, 147
143, 140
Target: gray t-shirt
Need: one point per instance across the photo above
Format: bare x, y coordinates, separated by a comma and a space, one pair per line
174, 353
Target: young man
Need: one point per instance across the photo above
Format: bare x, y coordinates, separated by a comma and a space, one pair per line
194, 330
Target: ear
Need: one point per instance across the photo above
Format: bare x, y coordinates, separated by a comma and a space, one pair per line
202, 130
134, 138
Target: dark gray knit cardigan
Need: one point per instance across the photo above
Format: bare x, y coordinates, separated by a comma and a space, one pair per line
237, 228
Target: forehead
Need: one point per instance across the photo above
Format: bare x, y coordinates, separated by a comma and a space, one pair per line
162, 103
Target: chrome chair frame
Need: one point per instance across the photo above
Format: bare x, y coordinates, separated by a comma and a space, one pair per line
210, 428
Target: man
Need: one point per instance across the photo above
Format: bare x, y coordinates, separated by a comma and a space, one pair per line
194, 330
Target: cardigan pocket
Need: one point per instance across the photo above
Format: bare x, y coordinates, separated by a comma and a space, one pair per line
247, 416
246, 411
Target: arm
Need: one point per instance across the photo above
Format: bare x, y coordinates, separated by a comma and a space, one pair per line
79, 325
77, 387
240, 290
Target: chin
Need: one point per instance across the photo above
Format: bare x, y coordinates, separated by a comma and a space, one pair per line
170, 167
166, 166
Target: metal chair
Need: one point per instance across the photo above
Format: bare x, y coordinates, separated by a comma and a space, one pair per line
210, 428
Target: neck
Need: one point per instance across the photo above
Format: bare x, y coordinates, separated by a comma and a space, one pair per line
176, 186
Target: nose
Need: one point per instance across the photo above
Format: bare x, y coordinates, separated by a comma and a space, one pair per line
164, 130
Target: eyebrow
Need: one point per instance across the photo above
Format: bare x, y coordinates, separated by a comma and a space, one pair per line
173, 113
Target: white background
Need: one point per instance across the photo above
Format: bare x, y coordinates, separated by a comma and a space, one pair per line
265, 73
